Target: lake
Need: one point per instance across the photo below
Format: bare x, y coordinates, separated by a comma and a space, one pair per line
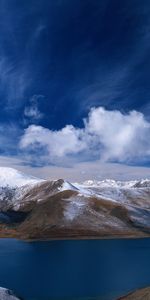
74, 269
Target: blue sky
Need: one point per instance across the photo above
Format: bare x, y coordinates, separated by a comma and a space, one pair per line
71, 75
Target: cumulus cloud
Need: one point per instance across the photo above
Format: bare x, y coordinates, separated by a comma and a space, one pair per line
106, 135
119, 136
68, 140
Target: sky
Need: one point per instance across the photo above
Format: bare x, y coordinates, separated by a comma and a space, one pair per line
75, 88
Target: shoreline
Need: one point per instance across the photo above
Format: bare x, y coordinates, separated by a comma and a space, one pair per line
76, 238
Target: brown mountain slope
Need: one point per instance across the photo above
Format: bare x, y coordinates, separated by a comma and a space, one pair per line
142, 294
69, 214
46, 211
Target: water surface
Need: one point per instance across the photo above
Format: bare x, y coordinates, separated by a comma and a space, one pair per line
74, 269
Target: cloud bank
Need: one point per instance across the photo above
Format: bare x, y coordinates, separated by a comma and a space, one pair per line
106, 135
80, 171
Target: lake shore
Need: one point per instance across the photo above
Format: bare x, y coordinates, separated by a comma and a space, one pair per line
141, 294
67, 234
9, 234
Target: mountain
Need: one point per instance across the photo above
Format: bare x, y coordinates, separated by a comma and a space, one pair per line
32, 208
10, 177
13, 184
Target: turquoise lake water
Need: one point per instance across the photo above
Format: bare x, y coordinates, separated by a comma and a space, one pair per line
81, 269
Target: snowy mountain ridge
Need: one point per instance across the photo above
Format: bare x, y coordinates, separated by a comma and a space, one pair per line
14, 178
117, 184
15, 187
57, 208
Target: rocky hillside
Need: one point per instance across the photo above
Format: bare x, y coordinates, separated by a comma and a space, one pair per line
43, 209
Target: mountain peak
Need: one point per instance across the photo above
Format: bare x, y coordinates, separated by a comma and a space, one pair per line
14, 178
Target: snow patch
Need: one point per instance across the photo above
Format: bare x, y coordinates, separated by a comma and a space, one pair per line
74, 208
67, 186
109, 183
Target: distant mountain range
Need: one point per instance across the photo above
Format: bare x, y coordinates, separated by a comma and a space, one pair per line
32, 208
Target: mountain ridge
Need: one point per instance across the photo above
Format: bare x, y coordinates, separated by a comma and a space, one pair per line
45, 209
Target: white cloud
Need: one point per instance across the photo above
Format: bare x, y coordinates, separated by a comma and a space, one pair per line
32, 112
122, 136
106, 135
59, 143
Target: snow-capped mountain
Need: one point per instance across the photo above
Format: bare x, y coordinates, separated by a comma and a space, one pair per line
13, 185
118, 191
13, 178
107, 183
35, 208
